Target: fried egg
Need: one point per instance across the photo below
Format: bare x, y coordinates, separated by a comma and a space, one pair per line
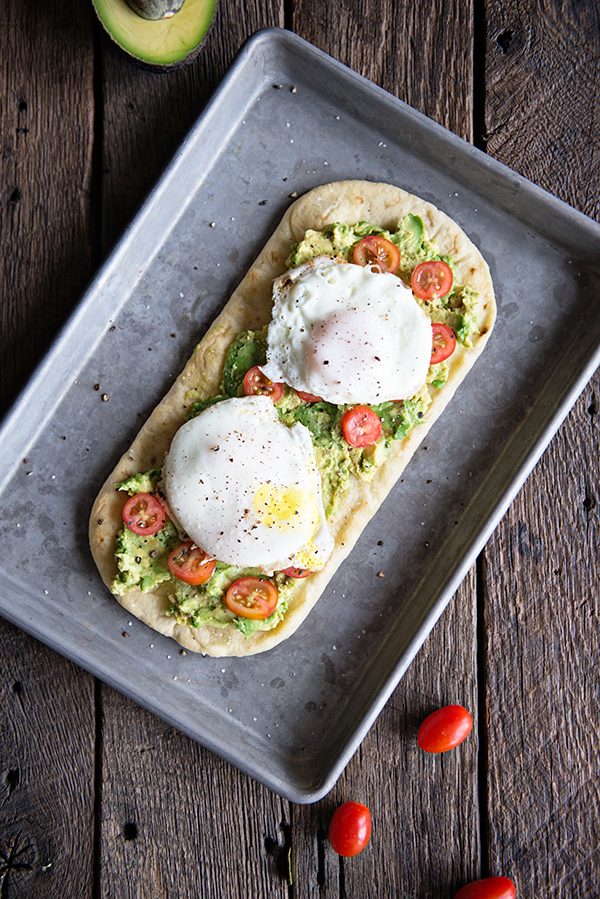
246, 488
347, 334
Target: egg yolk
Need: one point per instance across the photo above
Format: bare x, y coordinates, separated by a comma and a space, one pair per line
283, 507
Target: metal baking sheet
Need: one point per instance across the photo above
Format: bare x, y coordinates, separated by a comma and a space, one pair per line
286, 118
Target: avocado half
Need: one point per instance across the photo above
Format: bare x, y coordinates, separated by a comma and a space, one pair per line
159, 42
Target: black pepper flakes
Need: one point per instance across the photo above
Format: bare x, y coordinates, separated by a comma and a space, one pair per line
96, 386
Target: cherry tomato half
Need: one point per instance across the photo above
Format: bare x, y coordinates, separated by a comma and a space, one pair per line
350, 828
144, 514
488, 888
189, 563
444, 342
361, 426
375, 250
431, 280
309, 397
445, 729
296, 572
252, 597
257, 384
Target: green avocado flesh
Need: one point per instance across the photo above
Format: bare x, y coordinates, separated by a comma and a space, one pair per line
161, 42
142, 561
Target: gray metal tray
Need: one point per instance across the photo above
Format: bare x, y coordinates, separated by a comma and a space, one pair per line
293, 717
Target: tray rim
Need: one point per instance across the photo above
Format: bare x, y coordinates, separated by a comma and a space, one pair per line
289, 789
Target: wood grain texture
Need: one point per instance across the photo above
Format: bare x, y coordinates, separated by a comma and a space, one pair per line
425, 810
404, 47
542, 75
46, 772
46, 113
541, 566
47, 722
178, 821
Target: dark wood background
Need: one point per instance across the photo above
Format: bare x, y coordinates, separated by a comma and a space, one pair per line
98, 798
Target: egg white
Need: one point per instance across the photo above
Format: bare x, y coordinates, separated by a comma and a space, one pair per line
347, 334
246, 488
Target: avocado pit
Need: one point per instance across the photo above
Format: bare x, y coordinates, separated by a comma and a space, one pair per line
155, 9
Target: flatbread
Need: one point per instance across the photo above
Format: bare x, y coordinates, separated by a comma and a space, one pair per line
250, 308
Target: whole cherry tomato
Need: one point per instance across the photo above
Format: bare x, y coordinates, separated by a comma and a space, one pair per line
445, 729
488, 888
350, 828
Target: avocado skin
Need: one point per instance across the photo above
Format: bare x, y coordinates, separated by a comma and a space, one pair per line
157, 68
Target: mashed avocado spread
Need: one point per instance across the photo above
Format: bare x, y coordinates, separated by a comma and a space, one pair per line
142, 561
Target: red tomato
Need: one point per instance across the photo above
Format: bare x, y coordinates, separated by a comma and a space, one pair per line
296, 572
444, 342
309, 397
252, 597
375, 250
144, 514
350, 828
445, 729
361, 426
431, 280
488, 888
257, 384
189, 563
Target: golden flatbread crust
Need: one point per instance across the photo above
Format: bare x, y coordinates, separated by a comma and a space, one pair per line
250, 308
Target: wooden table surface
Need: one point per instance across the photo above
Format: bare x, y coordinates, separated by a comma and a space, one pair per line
99, 798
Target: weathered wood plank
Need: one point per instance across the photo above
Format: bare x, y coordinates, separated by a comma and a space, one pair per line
425, 810
47, 732
46, 772
45, 157
541, 567
175, 820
